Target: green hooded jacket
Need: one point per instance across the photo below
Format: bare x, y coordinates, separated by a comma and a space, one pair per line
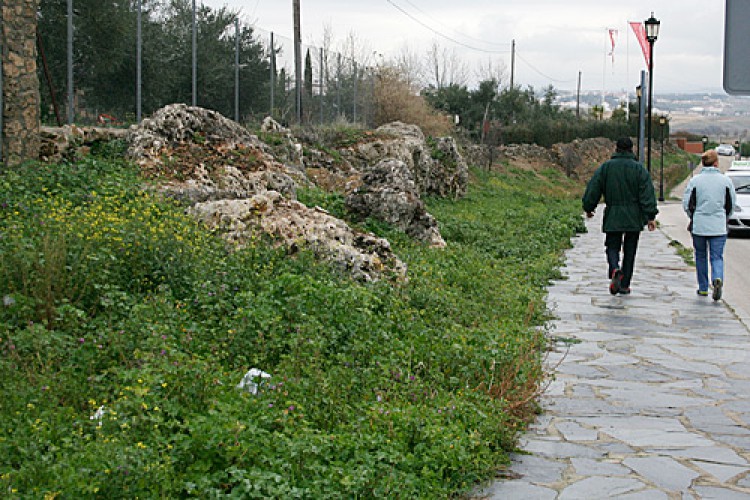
628, 193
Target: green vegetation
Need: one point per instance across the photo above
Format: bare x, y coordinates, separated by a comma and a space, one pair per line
515, 115
125, 328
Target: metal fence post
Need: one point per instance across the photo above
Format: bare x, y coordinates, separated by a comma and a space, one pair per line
338, 86
237, 70
355, 78
273, 75
71, 110
320, 94
194, 63
138, 64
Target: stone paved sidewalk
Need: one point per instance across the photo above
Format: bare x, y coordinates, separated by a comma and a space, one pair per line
651, 394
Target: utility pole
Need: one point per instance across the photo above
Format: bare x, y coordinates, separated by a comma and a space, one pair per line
297, 58
512, 62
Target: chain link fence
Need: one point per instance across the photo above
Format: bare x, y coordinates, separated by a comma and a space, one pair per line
241, 71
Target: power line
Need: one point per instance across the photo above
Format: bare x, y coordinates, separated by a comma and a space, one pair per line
443, 35
446, 26
542, 74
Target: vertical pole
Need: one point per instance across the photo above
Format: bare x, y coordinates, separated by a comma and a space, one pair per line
195, 57
138, 63
354, 92
641, 115
320, 96
338, 86
578, 97
512, 63
650, 96
297, 58
71, 109
273, 75
661, 169
237, 70
371, 114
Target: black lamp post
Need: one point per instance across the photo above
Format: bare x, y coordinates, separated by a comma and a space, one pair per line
704, 140
662, 126
652, 33
638, 95
737, 152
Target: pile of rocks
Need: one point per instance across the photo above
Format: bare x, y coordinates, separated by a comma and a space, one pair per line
241, 186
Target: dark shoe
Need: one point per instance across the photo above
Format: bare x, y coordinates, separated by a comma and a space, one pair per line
717, 289
616, 284
702, 293
624, 291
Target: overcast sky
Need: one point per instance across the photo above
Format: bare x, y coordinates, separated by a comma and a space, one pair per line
555, 39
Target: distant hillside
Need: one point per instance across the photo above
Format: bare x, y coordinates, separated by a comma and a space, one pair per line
716, 127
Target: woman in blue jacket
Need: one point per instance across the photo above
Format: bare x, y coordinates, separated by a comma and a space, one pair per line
708, 200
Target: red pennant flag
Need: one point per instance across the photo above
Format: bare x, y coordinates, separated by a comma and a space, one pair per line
640, 34
612, 38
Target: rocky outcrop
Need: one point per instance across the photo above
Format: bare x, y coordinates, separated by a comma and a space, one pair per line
235, 184
388, 193
284, 147
437, 167
577, 159
581, 157
180, 123
200, 155
294, 225
71, 141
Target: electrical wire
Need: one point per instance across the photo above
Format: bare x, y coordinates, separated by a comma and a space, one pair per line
542, 74
446, 26
443, 35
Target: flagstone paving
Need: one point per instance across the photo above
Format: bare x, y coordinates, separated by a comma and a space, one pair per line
650, 397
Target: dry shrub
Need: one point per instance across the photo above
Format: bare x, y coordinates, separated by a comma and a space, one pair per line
396, 101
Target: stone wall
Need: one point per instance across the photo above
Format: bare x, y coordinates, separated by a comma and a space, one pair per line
20, 85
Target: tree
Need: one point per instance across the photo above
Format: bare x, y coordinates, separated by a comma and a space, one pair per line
446, 67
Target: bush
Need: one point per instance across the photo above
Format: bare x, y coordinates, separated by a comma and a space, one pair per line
395, 101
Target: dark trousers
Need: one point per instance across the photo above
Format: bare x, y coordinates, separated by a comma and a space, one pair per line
627, 243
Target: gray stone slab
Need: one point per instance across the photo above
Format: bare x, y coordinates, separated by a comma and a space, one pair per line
665, 472
652, 398
587, 467
600, 487
585, 408
721, 472
715, 493
713, 454
645, 495
639, 432
517, 490
537, 470
575, 432
561, 449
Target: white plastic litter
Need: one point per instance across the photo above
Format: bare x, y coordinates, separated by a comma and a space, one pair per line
252, 380
99, 415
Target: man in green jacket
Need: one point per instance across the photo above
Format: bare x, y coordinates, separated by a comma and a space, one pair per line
630, 204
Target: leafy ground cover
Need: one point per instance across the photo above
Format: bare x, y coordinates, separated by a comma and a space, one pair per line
125, 328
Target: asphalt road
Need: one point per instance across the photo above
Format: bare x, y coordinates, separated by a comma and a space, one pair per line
673, 222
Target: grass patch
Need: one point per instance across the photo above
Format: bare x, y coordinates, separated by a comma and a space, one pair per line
125, 327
